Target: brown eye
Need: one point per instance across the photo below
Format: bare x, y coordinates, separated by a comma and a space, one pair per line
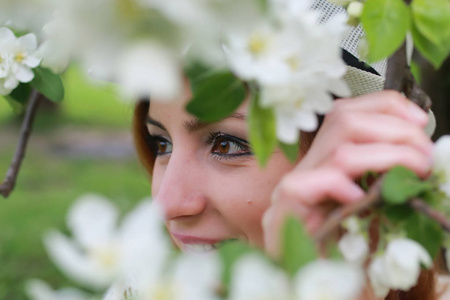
225, 145
163, 146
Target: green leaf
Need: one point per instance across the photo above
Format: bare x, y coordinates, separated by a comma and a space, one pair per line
196, 73
262, 130
401, 184
432, 19
16, 106
230, 252
216, 96
436, 54
291, 151
416, 71
386, 23
398, 213
48, 83
298, 247
20, 94
264, 4
425, 231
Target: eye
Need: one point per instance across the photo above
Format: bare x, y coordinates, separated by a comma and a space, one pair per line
163, 146
227, 146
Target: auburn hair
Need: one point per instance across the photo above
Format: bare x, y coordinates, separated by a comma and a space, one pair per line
146, 150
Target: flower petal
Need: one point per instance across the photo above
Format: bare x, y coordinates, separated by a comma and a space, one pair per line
325, 279
28, 42
75, 264
92, 219
255, 278
24, 73
39, 290
31, 61
145, 246
6, 36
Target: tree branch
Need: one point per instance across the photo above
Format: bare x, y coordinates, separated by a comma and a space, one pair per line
373, 197
10, 179
422, 207
400, 78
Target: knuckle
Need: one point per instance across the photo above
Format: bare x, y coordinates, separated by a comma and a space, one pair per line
347, 123
393, 98
342, 156
285, 189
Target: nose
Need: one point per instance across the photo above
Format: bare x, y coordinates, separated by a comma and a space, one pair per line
179, 187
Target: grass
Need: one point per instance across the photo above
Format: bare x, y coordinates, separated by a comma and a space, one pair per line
48, 184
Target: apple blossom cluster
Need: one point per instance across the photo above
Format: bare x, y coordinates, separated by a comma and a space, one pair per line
257, 278
18, 56
136, 261
296, 63
133, 261
396, 267
143, 45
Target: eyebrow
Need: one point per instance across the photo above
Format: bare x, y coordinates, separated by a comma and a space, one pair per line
195, 124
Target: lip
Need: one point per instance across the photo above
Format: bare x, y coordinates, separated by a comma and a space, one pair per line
189, 239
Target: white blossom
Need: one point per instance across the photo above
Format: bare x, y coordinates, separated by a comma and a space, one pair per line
399, 267
376, 273
189, 277
297, 64
403, 261
255, 278
17, 58
55, 56
39, 290
354, 247
148, 69
101, 253
441, 162
324, 279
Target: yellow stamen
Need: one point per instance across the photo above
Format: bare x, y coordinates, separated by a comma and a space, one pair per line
299, 103
257, 44
293, 62
106, 257
20, 57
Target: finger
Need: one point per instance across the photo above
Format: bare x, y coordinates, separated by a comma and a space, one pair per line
363, 128
355, 159
386, 102
316, 186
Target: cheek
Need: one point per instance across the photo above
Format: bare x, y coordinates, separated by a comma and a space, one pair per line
243, 197
156, 179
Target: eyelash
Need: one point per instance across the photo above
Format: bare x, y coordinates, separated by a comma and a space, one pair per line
242, 145
212, 141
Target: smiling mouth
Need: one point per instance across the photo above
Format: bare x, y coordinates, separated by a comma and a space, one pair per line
200, 248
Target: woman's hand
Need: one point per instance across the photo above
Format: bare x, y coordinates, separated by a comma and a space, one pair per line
370, 133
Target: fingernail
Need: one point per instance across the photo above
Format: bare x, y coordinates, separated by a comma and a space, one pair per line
418, 114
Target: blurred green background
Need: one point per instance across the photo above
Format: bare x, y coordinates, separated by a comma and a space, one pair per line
81, 146
84, 146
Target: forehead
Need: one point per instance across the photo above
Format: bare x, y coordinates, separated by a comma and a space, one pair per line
175, 110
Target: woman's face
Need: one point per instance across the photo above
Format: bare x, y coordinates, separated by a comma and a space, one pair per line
206, 178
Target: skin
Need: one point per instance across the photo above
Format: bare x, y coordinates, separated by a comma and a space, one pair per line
214, 191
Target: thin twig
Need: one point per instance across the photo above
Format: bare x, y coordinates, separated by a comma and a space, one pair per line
395, 73
10, 179
373, 197
400, 78
422, 207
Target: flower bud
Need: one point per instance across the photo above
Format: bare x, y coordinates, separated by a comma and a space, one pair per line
355, 9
